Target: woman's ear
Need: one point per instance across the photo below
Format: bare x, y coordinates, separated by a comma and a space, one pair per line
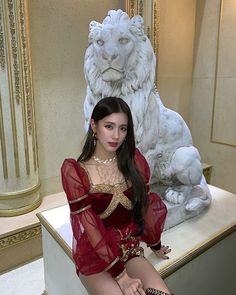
93, 125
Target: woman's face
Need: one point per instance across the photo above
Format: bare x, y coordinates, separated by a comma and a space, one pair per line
110, 132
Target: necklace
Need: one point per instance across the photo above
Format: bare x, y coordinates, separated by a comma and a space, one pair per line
105, 162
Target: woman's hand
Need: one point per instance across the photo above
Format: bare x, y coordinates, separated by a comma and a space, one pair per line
130, 286
162, 252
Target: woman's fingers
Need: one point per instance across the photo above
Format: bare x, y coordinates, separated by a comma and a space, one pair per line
163, 251
141, 291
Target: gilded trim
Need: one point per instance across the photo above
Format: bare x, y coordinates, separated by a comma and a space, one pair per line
151, 16
78, 199
112, 264
23, 79
26, 72
140, 8
31, 88
198, 250
80, 210
21, 210
215, 80
2, 49
130, 7
11, 95
14, 50
17, 238
3, 142
20, 193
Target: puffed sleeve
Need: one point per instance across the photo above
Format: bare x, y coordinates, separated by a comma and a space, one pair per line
155, 214
94, 248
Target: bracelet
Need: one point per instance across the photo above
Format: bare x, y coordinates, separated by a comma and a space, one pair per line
156, 247
120, 275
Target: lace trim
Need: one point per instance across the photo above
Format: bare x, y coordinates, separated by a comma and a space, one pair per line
80, 210
111, 264
78, 199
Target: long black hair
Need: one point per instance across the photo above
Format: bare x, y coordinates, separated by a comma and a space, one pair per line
125, 154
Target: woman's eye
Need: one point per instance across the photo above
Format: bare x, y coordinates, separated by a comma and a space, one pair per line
100, 42
123, 40
124, 129
108, 126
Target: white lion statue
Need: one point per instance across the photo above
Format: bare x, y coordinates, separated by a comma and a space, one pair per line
120, 61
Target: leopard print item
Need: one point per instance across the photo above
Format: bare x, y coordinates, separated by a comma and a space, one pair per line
152, 291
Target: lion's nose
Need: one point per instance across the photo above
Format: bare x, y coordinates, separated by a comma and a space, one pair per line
109, 57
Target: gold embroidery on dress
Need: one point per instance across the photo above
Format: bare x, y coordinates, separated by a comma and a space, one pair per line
118, 197
78, 199
80, 210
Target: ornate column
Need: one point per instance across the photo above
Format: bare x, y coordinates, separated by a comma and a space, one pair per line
19, 176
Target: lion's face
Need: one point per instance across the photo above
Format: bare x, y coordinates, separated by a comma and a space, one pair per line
119, 59
113, 46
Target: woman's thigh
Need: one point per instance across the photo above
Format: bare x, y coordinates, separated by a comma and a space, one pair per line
100, 284
141, 268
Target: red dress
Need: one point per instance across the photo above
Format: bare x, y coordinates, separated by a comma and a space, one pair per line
102, 222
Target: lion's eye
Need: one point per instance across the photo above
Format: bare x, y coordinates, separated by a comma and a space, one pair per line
123, 40
100, 42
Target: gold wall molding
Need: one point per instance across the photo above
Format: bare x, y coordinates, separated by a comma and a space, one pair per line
2, 49
3, 142
150, 11
11, 91
213, 139
12, 27
20, 237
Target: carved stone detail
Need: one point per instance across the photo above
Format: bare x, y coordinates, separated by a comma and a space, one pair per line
26, 68
20, 237
2, 50
14, 49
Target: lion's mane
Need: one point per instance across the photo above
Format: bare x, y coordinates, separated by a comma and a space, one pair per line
139, 76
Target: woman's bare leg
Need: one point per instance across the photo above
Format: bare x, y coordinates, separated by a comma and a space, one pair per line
100, 284
142, 269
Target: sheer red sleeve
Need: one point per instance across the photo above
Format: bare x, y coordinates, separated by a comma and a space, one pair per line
94, 248
155, 215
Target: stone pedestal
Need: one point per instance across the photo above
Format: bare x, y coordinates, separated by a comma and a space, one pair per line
202, 259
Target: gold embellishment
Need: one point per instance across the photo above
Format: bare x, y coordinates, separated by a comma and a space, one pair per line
131, 248
118, 197
120, 275
20, 237
2, 49
80, 210
111, 264
78, 199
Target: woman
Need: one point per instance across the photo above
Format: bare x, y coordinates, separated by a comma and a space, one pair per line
112, 209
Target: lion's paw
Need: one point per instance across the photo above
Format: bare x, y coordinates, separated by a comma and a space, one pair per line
194, 204
174, 197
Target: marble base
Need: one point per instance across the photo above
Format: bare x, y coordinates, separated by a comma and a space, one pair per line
190, 240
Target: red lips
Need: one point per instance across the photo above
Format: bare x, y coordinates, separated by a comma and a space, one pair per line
113, 144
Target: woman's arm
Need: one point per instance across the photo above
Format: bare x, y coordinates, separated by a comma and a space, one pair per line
94, 248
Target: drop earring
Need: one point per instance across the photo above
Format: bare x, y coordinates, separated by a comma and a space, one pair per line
94, 139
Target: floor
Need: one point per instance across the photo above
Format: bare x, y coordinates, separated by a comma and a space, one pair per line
25, 280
